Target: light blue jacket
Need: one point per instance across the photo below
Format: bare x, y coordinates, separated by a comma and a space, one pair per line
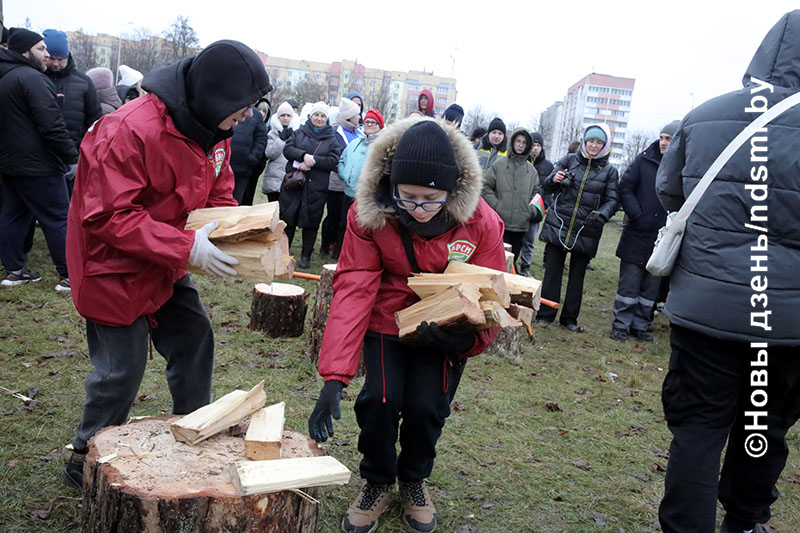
351, 162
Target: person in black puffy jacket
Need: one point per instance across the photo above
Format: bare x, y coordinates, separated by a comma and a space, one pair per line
247, 156
584, 188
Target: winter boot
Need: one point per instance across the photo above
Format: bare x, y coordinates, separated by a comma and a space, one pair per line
304, 263
419, 514
362, 515
525, 270
73, 473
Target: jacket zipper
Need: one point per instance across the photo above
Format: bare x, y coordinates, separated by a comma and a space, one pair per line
577, 203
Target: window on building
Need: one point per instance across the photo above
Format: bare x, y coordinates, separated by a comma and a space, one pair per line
442, 90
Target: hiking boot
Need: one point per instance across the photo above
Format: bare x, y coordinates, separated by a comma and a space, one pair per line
525, 270
362, 515
25, 275
73, 473
419, 514
726, 528
643, 336
63, 285
619, 334
304, 263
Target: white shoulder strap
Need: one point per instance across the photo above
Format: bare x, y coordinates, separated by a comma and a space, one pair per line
727, 153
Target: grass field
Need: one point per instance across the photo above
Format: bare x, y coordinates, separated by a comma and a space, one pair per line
567, 437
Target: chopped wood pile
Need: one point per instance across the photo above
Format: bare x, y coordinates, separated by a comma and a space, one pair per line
469, 296
252, 234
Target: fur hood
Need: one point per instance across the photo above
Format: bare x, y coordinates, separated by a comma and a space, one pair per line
373, 195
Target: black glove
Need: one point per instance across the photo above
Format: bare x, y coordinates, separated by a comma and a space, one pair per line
536, 216
286, 133
320, 425
435, 337
595, 220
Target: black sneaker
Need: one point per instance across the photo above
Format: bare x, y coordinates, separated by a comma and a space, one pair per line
63, 285
574, 328
726, 528
642, 335
73, 473
26, 275
304, 263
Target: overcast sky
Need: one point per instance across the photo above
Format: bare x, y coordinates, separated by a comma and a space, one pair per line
513, 58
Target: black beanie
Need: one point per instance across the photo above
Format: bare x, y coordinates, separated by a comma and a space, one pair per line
454, 113
536, 137
425, 156
21, 40
225, 77
497, 124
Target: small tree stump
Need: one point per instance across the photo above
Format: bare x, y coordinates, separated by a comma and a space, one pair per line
279, 309
510, 340
322, 307
138, 478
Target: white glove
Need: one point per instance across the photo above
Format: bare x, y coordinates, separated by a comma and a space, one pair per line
207, 256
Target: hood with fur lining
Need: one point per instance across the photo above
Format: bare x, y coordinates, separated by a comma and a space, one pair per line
373, 195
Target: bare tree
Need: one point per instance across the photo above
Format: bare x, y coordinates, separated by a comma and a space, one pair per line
533, 124
181, 39
27, 24
475, 117
82, 49
309, 91
142, 51
635, 143
384, 103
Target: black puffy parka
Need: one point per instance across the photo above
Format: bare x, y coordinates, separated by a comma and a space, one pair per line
77, 98
638, 198
713, 283
592, 188
544, 167
33, 137
303, 206
247, 145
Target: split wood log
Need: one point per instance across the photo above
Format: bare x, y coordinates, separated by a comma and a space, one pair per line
523, 290
521, 313
259, 477
236, 223
454, 306
322, 307
218, 416
491, 284
279, 309
258, 261
497, 316
138, 479
510, 263
263, 439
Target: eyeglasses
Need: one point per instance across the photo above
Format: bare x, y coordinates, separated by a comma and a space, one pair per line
410, 205
370, 122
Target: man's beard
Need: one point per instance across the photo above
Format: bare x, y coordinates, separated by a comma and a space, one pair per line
37, 63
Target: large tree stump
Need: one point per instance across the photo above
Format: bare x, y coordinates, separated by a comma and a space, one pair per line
511, 341
139, 479
279, 309
322, 307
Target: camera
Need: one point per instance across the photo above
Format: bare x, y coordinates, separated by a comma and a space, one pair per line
568, 177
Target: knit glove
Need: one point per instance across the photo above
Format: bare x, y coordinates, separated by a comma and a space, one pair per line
320, 425
435, 337
595, 220
285, 133
207, 256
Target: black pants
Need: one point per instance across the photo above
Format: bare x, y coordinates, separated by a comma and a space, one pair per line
182, 336
25, 198
408, 382
330, 226
514, 238
555, 256
635, 298
705, 394
273, 196
347, 201
309, 238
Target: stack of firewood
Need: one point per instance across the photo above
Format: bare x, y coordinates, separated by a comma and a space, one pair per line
266, 471
252, 234
468, 296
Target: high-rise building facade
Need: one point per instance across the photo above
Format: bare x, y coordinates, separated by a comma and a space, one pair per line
596, 98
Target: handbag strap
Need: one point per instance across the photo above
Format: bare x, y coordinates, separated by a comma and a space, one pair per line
727, 153
408, 245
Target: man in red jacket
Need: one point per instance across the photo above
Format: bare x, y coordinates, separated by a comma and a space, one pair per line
141, 171
424, 213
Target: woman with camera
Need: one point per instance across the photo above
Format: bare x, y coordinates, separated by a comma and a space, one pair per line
584, 187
